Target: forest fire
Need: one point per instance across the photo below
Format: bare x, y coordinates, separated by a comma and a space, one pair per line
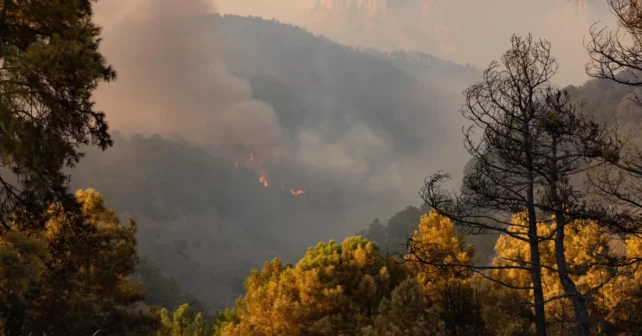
255, 164
297, 192
263, 181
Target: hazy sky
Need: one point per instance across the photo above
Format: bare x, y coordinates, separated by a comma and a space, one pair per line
465, 31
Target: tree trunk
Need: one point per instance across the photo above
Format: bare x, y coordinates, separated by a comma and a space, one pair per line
533, 238
579, 302
579, 305
536, 274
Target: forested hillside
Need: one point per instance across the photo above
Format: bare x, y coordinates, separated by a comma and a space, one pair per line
206, 219
237, 152
434, 72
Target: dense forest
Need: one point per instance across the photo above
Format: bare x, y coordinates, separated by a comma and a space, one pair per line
542, 234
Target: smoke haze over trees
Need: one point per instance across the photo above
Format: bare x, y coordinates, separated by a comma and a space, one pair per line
317, 114
314, 113
245, 149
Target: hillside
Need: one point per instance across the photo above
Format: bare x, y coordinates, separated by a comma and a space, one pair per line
351, 138
432, 71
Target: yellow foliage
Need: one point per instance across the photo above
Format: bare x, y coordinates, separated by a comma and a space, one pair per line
436, 245
587, 250
350, 289
79, 271
22, 260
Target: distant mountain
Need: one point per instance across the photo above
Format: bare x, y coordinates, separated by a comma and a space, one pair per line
426, 25
475, 32
432, 71
201, 220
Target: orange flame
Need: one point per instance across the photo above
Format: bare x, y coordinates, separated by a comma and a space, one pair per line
296, 192
263, 181
253, 162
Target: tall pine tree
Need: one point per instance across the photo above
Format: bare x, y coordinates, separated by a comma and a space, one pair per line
49, 67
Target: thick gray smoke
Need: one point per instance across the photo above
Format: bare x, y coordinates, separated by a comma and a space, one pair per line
358, 133
172, 80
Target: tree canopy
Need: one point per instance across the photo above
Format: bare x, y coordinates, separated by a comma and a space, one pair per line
77, 275
50, 68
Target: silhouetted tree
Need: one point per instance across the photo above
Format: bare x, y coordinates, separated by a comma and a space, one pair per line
50, 67
534, 143
617, 54
504, 106
566, 141
86, 283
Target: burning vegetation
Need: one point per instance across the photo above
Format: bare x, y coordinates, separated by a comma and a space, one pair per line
251, 163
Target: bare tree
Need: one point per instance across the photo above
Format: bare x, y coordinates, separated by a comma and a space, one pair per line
617, 54
533, 144
504, 181
567, 141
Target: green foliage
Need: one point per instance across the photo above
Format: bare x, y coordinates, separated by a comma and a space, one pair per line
82, 282
226, 317
183, 322
392, 236
198, 326
50, 67
160, 290
22, 260
166, 327
351, 289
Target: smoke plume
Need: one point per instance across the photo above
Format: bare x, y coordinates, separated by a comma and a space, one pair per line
173, 80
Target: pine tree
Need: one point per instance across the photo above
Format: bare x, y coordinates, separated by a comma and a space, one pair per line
86, 284
50, 67
183, 319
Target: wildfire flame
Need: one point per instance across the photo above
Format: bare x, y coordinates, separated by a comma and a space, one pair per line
256, 164
297, 192
263, 181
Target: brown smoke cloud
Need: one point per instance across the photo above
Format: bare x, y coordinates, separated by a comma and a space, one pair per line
171, 80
